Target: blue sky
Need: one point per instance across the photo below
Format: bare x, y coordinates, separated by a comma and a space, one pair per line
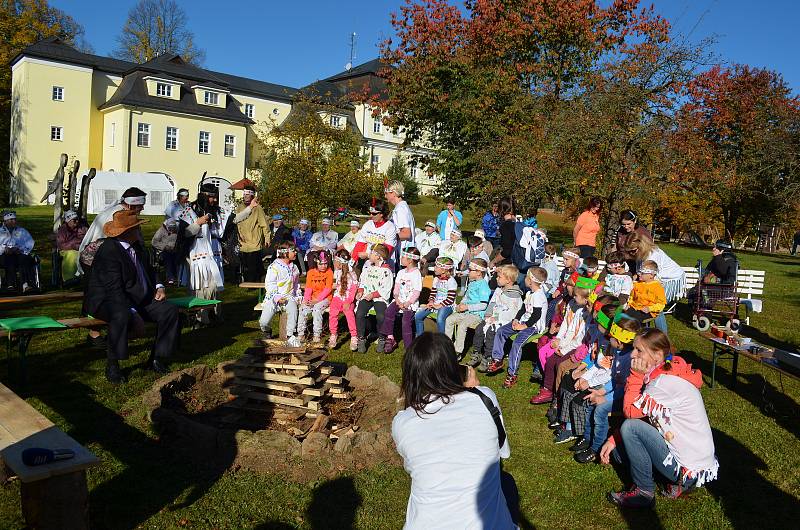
296, 43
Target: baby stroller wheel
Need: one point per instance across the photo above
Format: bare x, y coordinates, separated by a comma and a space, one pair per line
734, 324
702, 323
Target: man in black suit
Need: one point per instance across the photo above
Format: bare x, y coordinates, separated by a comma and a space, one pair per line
123, 291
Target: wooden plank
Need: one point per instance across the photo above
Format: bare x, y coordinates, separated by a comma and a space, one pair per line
317, 391
251, 285
62, 296
267, 376
18, 418
307, 367
258, 370
269, 386
83, 323
335, 379
292, 402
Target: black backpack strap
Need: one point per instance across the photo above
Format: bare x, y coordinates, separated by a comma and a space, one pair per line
494, 411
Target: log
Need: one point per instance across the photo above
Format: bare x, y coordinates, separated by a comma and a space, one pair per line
267, 376
270, 386
291, 402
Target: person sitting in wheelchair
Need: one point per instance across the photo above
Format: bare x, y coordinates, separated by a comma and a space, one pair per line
16, 246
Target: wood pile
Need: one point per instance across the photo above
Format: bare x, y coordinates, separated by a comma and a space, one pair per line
287, 383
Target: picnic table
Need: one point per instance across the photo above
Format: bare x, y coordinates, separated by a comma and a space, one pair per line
754, 351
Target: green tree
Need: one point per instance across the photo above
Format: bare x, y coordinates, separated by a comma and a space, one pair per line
22, 23
398, 170
309, 167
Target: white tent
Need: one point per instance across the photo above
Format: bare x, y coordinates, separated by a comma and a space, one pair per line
107, 187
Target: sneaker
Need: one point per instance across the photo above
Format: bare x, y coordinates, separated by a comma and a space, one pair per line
510, 381
494, 366
581, 445
564, 436
536, 375
332, 342
585, 456
544, 396
552, 415
554, 424
673, 491
316, 340
380, 346
362, 345
484, 366
475, 359
293, 342
390, 345
632, 498
354, 344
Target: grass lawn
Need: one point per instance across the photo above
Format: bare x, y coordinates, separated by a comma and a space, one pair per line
145, 484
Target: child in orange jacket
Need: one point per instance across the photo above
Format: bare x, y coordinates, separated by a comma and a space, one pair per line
317, 295
647, 298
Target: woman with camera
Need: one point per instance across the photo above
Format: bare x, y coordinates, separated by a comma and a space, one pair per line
451, 437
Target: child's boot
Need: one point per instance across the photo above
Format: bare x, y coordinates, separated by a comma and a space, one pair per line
484, 365
354, 343
332, 341
381, 344
511, 380
495, 366
475, 358
544, 396
390, 344
362, 345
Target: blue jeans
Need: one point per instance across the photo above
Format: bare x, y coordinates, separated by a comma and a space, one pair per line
661, 322
441, 317
597, 423
644, 449
502, 334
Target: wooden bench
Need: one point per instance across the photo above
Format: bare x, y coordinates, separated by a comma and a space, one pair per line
55, 495
749, 282
60, 296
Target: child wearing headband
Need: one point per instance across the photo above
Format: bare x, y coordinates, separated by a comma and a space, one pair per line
502, 308
282, 292
550, 264
442, 297
469, 313
530, 320
572, 262
345, 284
317, 295
374, 291
302, 240
407, 288
618, 281
647, 298
602, 401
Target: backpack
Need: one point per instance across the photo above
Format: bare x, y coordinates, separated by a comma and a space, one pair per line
528, 246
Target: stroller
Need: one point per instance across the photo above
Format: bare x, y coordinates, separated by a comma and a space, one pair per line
715, 301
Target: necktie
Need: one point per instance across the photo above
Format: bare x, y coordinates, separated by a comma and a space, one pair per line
139, 269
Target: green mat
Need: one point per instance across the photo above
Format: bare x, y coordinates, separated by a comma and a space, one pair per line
22, 323
187, 302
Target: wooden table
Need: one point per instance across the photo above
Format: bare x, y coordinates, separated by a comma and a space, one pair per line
721, 349
54, 495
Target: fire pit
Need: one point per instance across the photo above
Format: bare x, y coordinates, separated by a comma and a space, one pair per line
278, 410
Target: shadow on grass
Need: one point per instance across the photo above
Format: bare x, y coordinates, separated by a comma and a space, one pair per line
748, 499
756, 389
333, 506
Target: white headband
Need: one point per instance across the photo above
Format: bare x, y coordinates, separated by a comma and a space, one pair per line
183, 193
134, 201
341, 260
9, 215
647, 270
431, 224
569, 254
409, 255
244, 192
536, 280
476, 267
284, 251
373, 210
69, 215
439, 263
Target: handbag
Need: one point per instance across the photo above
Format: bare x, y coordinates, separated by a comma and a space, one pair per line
494, 411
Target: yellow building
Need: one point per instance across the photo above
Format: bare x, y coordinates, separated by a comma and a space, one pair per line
164, 115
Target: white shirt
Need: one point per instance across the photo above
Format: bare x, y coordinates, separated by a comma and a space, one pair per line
18, 238
427, 242
174, 209
403, 218
325, 240
406, 282
372, 235
452, 455
454, 251
667, 268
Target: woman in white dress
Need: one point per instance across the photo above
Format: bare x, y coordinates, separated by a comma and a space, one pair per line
670, 274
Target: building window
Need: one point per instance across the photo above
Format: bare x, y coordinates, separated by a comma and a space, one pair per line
376, 126
58, 93
112, 133
164, 90
249, 110
230, 145
414, 172
109, 197
156, 199
211, 98
172, 138
205, 142
376, 159
143, 136
56, 133
336, 121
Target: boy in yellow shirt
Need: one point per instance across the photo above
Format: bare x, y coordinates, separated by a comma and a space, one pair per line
647, 297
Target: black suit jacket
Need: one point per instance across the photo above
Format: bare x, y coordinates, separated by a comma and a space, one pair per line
114, 279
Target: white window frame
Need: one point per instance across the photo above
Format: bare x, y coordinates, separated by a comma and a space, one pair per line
112, 134
142, 133
336, 121
211, 98
231, 144
204, 142
414, 170
175, 137
377, 126
58, 93
249, 110
56, 133
375, 160
167, 89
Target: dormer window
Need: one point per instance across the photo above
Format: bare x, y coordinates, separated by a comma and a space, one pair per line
336, 121
164, 90
211, 98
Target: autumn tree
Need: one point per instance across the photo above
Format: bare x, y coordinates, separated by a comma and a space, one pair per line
156, 27
22, 23
737, 147
309, 167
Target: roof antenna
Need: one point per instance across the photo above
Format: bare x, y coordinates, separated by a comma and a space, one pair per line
349, 65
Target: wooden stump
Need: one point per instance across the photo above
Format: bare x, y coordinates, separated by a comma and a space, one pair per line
282, 326
59, 503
